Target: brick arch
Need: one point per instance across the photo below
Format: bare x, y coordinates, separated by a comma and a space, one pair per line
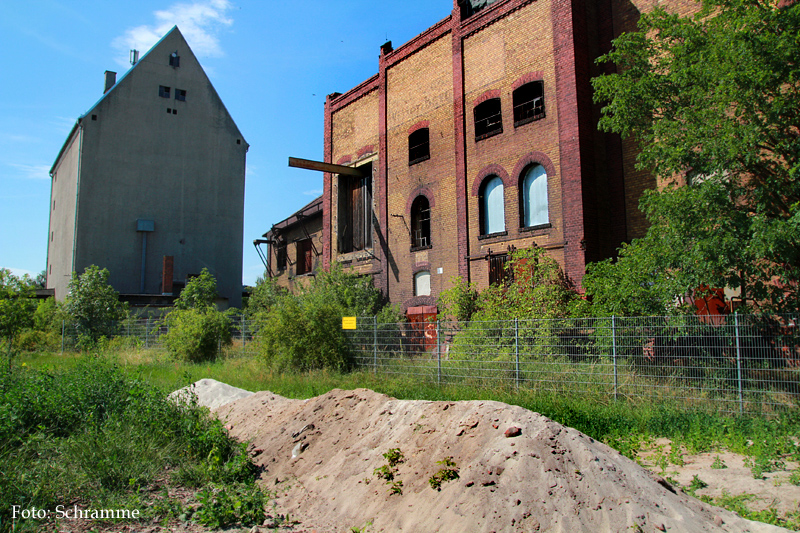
345, 159
419, 191
368, 149
419, 125
418, 301
421, 267
488, 95
533, 158
491, 170
537, 75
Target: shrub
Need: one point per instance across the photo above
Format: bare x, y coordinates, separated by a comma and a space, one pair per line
93, 306
196, 335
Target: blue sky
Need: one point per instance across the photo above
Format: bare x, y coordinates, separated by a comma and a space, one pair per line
271, 62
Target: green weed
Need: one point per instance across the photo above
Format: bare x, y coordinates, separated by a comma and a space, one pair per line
449, 472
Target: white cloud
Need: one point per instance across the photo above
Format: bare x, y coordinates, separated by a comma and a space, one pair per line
313, 193
20, 272
200, 23
33, 172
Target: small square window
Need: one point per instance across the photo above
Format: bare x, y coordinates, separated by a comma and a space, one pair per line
180, 95
163, 91
94, 117
174, 59
169, 110
174, 111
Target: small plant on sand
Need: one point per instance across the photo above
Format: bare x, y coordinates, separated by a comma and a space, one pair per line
387, 472
696, 484
449, 472
794, 478
718, 464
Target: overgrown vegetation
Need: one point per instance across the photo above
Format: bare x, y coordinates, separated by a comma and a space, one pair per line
303, 331
95, 437
711, 100
197, 330
92, 306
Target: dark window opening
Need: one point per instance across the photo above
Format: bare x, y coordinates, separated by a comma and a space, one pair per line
305, 257
498, 274
94, 117
528, 103
470, 7
280, 256
238, 141
169, 111
355, 211
420, 222
163, 91
488, 119
174, 111
419, 148
180, 95
174, 59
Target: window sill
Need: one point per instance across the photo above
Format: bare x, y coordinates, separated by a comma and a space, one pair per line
538, 227
488, 134
419, 160
518, 123
421, 248
493, 235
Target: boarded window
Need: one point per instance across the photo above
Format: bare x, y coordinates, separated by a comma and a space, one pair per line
420, 222
422, 283
419, 148
534, 197
488, 119
528, 103
355, 212
492, 206
498, 275
305, 257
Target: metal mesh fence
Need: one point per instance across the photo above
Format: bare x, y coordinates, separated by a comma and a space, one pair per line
733, 364
149, 333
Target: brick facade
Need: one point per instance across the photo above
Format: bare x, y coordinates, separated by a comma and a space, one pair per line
436, 81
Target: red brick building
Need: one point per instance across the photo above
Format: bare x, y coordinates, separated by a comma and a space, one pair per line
477, 137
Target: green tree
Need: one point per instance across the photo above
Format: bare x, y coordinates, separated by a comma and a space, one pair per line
713, 101
17, 307
197, 330
200, 292
93, 305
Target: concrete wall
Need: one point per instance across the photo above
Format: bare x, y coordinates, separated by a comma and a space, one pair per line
178, 163
63, 205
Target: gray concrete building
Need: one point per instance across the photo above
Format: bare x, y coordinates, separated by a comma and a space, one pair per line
150, 182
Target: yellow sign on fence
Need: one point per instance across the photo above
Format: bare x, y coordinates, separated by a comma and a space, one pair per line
348, 322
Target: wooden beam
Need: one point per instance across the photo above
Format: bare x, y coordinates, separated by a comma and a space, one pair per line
324, 167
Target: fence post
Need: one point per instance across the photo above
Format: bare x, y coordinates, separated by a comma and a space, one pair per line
244, 333
63, 332
516, 351
375, 344
438, 356
614, 352
146, 331
738, 363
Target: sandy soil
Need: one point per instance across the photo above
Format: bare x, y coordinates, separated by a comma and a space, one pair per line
320, 454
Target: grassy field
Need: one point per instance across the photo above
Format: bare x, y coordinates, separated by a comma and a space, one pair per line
627, 425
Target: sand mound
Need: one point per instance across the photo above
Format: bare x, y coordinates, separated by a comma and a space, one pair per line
210, 393
548, 478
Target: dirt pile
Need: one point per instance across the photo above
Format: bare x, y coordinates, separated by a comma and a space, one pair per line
320, 456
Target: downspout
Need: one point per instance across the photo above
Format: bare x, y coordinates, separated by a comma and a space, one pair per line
77, 194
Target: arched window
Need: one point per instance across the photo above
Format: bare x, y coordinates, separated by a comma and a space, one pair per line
492, 206
419, 148
528, 103
534, 196
488, 119
422, 283
420, 222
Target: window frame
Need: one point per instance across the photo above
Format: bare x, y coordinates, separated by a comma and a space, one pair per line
419, 146
180, 95
421, 226
354, 227
483, 114
526, 108
164, 91
525, 200
304, 251
484, 207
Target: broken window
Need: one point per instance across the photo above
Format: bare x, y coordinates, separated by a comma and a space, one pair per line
305, 257
420, 222
534, 197
280, 256
488, 119
528, 103
180, 94
355, 211
419, 146
470, 7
